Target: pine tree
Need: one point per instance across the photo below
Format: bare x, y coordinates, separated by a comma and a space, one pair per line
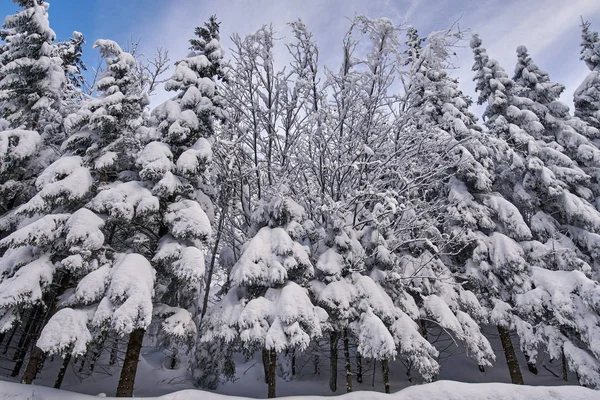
92, 183
549, 190
587, 95
33, 77
30, 98
176, 165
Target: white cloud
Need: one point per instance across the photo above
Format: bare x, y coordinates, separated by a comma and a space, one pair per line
549, 28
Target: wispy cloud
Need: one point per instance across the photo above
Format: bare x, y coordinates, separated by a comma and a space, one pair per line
549, 28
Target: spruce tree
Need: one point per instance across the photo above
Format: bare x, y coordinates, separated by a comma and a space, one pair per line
549, 190
111, 279
587, 95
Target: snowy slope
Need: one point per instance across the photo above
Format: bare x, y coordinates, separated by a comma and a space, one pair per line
441, 390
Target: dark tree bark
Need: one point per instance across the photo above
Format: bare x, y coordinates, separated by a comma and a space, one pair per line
385, 369
9, 341
24, 343
272, 375
374, 370
333, 360
132, 355
511, 357
211, 267
565, 366
32, 369
266, 361
62, 371
36, 358
359, 375
317, 361
347, 365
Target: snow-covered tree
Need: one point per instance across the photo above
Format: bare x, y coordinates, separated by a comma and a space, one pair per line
32, 74
551, 193
267, 305
587, 96
90, 211
31, 84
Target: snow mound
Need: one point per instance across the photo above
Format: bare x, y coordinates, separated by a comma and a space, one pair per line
441, 390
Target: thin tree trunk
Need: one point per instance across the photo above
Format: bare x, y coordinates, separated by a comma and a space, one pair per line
82, 363
211, 267
272, 375
294, 362
173, 359
36, 358
266, 361
347, 362
8, 342
317, 366
24, 343
62, 371
132, 355
359, 375
565, 366
511, 357
333, 360
374, 370
32, 368
25, 335
385, 369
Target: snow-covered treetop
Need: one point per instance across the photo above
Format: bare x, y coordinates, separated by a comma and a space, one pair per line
535, 83
104, 127
32, 76
590, 47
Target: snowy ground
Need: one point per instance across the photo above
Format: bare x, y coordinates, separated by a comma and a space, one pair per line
441, 390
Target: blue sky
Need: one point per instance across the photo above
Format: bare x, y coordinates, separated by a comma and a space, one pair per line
549, 28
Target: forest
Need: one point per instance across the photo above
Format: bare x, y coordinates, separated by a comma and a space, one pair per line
351, 220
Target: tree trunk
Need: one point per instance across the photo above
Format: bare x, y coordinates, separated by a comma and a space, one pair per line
333, 360
347, 362
62, 371
511, 357
565, 369
130, 363
25, 335
272, 375
266, 361
294, 362
359, 375
24, 343
385, 369
35, 359
211, 267
9, 341
317, 366
374, 370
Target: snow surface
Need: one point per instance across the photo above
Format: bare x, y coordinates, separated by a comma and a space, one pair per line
441, 390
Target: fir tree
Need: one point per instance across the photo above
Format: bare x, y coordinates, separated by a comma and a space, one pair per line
33, 77
549, 191
587, 95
